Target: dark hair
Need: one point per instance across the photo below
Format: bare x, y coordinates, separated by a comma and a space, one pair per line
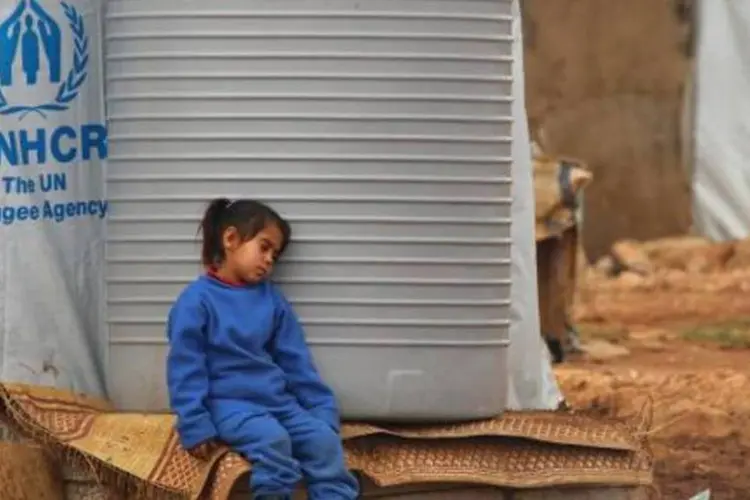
249, 217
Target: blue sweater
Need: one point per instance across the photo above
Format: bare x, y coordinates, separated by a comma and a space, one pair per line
238, 343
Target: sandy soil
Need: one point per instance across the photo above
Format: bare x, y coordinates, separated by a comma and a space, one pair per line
681, 338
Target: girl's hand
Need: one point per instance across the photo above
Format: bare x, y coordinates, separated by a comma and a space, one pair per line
205, 450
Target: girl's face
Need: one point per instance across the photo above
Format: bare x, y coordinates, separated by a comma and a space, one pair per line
252, 261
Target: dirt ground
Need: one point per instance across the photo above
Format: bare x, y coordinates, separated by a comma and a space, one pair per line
670, 335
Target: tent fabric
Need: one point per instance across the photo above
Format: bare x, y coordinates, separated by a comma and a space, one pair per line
721, 175
532, 383
52, 212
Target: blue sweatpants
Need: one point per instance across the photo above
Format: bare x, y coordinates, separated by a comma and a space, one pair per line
284, 447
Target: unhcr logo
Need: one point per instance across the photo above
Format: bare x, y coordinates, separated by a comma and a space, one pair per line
29, 34
44, 59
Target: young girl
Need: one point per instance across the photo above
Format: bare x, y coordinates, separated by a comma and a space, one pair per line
239, 370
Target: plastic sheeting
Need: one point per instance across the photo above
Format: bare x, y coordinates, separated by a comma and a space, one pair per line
532, 381
721, 174
52, 211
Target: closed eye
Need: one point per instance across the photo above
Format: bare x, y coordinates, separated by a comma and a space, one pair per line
266, 245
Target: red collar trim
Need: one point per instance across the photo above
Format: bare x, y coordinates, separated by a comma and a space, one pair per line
213, 274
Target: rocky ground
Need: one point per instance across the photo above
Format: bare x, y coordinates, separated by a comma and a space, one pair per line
667, 330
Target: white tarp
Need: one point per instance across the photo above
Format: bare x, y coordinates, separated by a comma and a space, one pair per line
52, 147
532, 382
721, 175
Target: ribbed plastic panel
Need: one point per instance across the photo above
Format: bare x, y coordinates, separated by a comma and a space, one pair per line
382, 130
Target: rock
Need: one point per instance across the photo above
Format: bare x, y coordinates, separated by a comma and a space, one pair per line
741, 257
671, 244
630, 279
688, 419
691, 254
652, 335
674, 278
606, 266
601, 350
710, 258
629, 256
674, 252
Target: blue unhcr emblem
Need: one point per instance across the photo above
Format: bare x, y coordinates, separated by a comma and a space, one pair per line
29, 33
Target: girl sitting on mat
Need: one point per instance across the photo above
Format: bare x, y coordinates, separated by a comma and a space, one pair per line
239, 370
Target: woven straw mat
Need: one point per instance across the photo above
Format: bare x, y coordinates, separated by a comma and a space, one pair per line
518, 450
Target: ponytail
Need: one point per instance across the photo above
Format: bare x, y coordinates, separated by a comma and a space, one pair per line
249, 217
211, 226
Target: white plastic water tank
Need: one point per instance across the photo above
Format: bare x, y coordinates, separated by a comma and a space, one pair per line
382, 130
